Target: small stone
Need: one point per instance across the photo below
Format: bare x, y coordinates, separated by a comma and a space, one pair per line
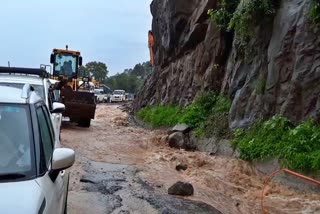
181, 188
180, 167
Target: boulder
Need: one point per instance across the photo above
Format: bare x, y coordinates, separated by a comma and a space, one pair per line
181, 188
184, 128
176, 140
179, 140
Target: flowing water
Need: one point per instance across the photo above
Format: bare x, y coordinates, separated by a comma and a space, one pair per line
122, 168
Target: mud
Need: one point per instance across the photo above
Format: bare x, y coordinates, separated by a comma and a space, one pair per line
122, 168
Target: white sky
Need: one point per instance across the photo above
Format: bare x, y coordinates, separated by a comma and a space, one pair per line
110, 31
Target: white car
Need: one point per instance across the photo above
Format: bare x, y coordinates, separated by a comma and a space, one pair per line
118, 96
38, 79
33, 176
99, 95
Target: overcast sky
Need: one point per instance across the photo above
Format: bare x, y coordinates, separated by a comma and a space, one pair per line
111, 31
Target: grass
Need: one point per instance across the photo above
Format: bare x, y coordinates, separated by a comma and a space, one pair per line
208, 115
160, 116
297, 146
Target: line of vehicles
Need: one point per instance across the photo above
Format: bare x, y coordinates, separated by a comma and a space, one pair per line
102, 96
33, 164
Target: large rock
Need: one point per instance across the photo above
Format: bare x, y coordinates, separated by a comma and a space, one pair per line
184, 128
181, 188
176, 140
179, 140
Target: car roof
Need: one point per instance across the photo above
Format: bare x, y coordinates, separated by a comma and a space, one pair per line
31, 71
21, 78
15, 95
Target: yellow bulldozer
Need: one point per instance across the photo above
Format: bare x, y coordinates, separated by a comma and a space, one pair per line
75, 93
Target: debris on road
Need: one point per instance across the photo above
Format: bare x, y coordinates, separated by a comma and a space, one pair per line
180, 167
129, 169
181, 188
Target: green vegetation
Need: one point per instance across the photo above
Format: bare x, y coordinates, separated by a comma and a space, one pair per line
315, 11
224, 13
249, 14
298, 147
208, 115
261, 85
131, 79
242, 17
160, 116
97, 69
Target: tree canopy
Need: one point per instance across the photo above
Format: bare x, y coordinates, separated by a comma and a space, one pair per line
131, 79
97, 69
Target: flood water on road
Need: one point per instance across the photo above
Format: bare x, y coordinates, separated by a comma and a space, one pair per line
122, 168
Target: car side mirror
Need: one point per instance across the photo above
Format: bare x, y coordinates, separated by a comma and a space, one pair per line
62, 158
58, 107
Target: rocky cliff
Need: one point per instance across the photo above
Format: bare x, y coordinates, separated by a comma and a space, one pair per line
282, 74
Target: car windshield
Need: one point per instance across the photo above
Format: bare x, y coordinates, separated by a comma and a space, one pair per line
65, 64
15, 141
97, 92
39, 89
118, 92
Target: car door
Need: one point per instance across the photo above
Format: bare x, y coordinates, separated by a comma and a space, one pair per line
54, 188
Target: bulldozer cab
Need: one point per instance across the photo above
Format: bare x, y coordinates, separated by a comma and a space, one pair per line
79, 101
65, 63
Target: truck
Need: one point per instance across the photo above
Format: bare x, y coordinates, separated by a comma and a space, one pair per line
75, 93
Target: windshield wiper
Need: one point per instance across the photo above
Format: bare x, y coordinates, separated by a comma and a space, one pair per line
11, 176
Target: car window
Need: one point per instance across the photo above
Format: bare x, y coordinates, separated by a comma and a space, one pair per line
15, 139
39, 89
45, 110
45, 136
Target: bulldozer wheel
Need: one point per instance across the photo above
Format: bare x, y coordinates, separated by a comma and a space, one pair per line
85, 123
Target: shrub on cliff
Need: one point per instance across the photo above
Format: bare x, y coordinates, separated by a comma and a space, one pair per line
315, 11
160, 116
208, 115
298, 147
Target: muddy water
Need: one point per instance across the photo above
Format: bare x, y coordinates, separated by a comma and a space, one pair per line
121, 168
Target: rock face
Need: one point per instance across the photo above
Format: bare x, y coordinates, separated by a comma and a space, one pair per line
281, 76
187, 46
181, 188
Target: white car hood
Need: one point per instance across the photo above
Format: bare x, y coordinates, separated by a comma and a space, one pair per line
20, 197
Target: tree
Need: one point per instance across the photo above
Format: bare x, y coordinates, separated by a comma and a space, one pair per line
98, 69
82, 72
131, 79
